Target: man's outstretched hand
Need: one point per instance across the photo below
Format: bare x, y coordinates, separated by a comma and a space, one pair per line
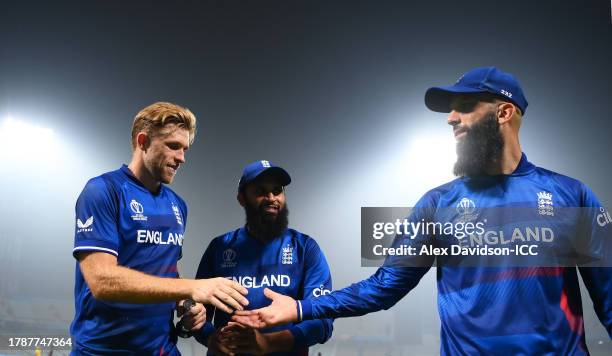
283, 310
221, 292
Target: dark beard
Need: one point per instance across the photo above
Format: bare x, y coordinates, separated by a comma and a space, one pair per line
263, 226
481, 148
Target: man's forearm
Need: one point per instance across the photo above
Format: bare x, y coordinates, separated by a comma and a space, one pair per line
127, 285
380, 291
110, 282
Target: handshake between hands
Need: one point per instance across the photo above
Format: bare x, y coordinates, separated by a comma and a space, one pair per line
242, 335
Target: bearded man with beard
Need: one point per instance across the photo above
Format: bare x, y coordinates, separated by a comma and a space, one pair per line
488, 310
263, 254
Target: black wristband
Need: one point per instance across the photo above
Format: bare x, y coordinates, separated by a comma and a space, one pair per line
181, 331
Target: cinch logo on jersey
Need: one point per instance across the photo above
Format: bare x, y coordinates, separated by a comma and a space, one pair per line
275, 280
317, 292
156, 238
85, 227
177, 214
138, 210
604, 218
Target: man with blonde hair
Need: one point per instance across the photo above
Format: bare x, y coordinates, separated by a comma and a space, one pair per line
128, 239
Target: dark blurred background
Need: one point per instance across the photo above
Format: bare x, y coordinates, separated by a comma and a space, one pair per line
330, 90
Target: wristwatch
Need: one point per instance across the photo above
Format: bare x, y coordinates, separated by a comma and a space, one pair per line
179, 328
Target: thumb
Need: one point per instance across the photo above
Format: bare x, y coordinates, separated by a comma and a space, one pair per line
270, 294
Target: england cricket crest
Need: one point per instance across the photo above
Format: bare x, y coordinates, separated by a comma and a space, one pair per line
545, 204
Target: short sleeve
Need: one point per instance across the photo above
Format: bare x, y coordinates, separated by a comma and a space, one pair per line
97, 212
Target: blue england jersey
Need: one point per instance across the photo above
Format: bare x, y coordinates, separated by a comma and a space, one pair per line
291, 264
498, 310
116, 214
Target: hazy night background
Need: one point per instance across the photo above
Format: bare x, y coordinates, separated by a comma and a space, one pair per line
330, 90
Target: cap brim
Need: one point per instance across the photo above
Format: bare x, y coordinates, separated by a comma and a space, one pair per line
438, 99
277, 172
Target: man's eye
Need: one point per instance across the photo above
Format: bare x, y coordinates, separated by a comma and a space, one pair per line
462, 106
263, 192
468, 105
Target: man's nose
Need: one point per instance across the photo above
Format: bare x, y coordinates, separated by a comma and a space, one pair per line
180, 157
453, 118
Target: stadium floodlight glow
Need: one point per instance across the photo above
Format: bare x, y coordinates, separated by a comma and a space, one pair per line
24, 142
433, 157
421, 161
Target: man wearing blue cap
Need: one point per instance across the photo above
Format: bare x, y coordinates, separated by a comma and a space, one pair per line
488, 310
264, 254
489, 104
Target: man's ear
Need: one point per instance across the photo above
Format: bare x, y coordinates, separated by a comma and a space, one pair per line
143, 141
505, 112
241, 199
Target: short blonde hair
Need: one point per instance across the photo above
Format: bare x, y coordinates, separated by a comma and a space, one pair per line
154, 117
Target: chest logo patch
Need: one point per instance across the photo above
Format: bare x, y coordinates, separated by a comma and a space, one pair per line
138, 211
545, 204
177, 214
229, 259
466, 208
287, 255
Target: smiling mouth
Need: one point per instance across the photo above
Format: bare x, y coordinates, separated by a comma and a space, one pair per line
173, 169
459, 132
271, 209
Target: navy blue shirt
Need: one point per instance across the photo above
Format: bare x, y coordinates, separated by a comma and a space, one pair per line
291, 264
497, 310
116, 214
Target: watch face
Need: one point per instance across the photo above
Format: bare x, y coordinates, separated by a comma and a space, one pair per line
188, 304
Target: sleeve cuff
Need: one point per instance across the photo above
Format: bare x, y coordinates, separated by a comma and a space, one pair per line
304, 309
95, 245
299, 339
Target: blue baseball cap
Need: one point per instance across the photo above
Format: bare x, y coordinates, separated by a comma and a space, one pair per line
258, 168
478, 80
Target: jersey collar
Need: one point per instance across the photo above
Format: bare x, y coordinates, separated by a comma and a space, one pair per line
524, 167
124, 168
244, 233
